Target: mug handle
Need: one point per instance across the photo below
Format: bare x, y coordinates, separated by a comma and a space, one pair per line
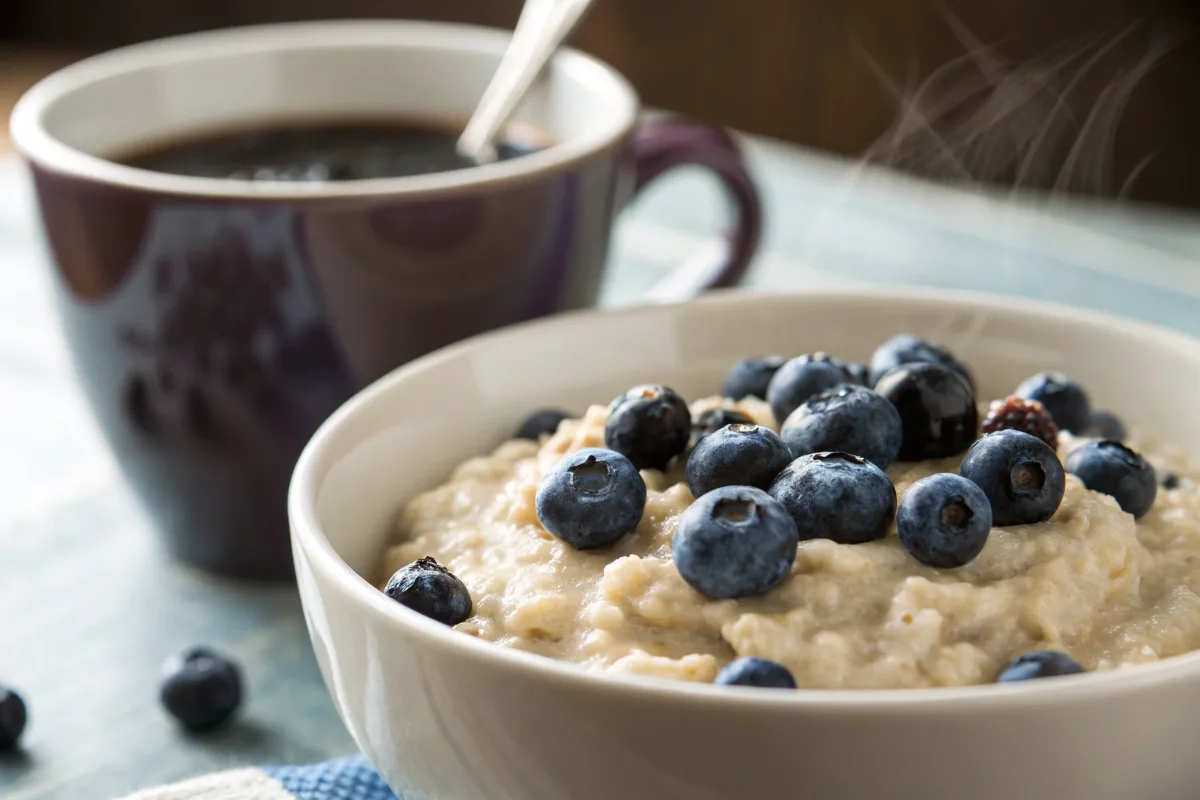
660, 145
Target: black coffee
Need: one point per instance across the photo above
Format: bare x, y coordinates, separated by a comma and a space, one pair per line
318, 151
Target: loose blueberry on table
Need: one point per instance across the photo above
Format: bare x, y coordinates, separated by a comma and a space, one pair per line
1066, 400
1112, 468
750, 377
736, 455
201, 688
837, 496
760, 672
13, 718
851, 419
649, 425
1021, 475
938, 415
1039, 664
944, 521
592, 498
736, 541
802, 378
430, 589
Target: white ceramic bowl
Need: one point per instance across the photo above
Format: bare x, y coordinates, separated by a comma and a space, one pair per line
444, 715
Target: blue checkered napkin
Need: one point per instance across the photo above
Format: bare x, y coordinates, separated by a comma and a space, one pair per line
344, 779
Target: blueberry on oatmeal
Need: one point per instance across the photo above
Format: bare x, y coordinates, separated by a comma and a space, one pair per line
541, 423
1113, 469
1106, 425
1021, 475
13, 718
801, 378
201, 689
905, 348
1170, 481
856, 373
749, 377
736, 455
837, 496
760, 672
944, 521
736, 541
649, 425
938, 416
592, 498
851, 419
430, 589
1018, 414
1039, 664
1065, 399
713, 420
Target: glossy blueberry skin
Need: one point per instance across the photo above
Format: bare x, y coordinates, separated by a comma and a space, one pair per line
13, 717
905, 348
944, 521
1065, 399
749, 377
201, 689
1106, 425
837, 496
801, 378
1021, 475
430, 589
713, 420
541, 423
649, 425
1039, 664
736, 455
938, 415
850, 419
592, 498
735, 541
1113, 469
760, 672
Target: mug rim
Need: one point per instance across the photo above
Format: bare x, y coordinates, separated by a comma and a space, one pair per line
313, 552
39, 146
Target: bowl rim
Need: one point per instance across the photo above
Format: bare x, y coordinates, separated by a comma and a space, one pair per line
313, 546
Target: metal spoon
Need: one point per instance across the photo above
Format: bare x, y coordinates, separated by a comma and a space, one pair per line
542, 28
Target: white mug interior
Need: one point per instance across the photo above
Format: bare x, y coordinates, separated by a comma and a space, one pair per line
112, 105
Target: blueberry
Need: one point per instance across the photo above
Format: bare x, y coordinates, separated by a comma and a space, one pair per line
944, 520
592, 498
13, 717
1039, 664
713, 420
735, 541
749, 377
852, 419
430, 589
1112, 468
1106, 425
905, 348
541, 423
837, 496
1021, 475
201, 689
736, 455
1171, 481
800, 379
759, 672
938, 415
649, 425
856, 373
1065, 399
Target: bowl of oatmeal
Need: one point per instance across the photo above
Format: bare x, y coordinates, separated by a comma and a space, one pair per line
732, 547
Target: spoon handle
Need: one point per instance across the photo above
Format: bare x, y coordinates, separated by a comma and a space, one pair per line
542, 27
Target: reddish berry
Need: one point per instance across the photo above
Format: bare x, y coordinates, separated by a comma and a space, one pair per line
1016, 413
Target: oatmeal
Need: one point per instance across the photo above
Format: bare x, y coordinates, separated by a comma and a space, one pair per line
1091, 581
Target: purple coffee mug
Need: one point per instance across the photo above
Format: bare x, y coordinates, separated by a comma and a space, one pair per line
215, 323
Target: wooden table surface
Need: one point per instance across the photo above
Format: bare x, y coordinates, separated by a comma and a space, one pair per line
89, 605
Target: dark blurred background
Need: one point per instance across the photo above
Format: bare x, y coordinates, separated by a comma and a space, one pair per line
1099, 97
